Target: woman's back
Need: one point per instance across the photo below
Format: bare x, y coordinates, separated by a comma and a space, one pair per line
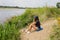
37, 24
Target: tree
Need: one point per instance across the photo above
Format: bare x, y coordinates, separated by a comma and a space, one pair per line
58, 5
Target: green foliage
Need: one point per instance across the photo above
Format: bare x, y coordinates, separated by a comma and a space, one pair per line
9, 32
56, 30
56, 33
26, 18
58, 5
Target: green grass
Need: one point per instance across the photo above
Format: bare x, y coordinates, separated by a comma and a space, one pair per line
10, 29
56, 33
9, 32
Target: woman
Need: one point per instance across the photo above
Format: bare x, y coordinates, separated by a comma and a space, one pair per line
35, 25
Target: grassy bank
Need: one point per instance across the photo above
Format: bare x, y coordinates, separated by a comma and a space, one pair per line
56, 31
10, 29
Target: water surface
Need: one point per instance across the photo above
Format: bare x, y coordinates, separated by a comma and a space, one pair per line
6, 13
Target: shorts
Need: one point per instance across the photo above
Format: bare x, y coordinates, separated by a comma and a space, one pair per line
39, 28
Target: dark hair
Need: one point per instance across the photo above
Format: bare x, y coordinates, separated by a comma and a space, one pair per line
36, 18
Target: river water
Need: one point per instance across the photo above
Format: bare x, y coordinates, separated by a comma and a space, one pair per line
6, 13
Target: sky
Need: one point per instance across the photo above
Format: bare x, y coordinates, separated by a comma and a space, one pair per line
29, 3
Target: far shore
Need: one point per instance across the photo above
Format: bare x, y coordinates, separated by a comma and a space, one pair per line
19, 7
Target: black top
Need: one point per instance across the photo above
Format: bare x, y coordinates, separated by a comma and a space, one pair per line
37, 24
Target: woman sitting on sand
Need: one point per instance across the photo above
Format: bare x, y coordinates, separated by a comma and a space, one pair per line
35, 25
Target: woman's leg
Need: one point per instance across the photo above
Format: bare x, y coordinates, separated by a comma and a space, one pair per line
32, 26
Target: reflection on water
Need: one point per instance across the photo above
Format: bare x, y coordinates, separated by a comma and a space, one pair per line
9, 12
